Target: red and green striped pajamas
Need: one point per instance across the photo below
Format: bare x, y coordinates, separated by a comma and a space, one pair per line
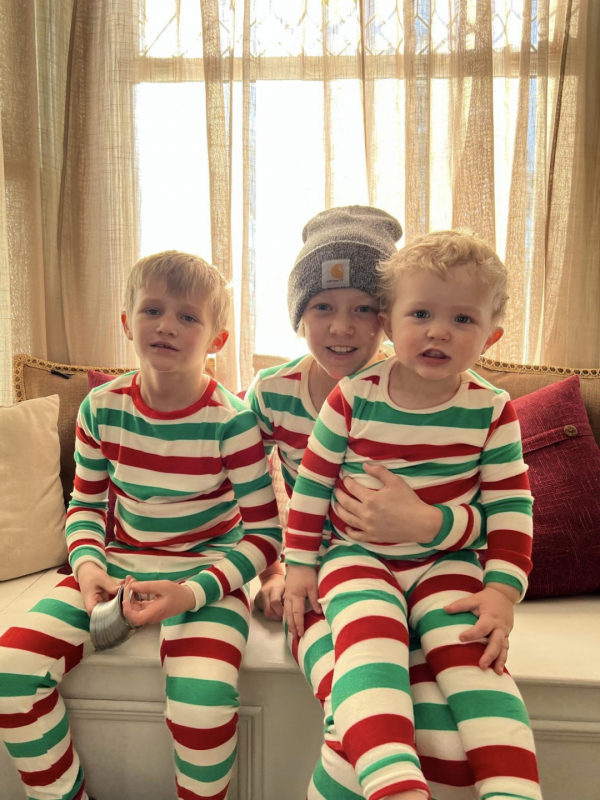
194, 504
463, 452
281, 400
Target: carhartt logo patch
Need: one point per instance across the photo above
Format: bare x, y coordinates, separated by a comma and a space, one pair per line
336, 274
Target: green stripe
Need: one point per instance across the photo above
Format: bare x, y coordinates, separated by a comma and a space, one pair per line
184, 524
88, 419
252, 401
242, 422
381, 763
331, 441
84, 525
447, 525
376, 675
482, 703
198, 692
318, 650
434, 717
142, 492
219, 616
98, 464
496, 795
205, 774
72, 792
91, 554
494, 576
76, 617
454, 417
243, 489
16, 685
311, 488
329, 787
433, 620
520, 505
344, 600
502, 455
171, 432
285, 404
209, 584
40, 747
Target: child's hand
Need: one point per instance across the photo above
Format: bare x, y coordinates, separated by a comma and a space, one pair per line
495, 609
168, 599
393, 514
300, 583
96, 585
269, 598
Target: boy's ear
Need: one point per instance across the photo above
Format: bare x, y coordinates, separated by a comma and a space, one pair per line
385, 324
494, 337
125, 324
218, 342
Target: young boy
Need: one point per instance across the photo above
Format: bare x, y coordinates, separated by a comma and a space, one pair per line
455, 439
195, 520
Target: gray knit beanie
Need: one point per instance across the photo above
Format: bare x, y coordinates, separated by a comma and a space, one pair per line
342, 248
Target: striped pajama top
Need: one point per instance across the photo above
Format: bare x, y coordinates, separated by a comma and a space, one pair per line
280, 398
193, 482
467, 450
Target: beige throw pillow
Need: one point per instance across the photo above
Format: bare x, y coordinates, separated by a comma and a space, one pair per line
32, 511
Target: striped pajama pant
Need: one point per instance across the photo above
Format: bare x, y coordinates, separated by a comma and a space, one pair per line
200, 652
480, 737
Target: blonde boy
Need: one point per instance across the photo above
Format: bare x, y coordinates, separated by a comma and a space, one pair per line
455, 440
195, 520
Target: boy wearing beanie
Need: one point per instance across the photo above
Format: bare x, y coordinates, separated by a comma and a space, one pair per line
332, 303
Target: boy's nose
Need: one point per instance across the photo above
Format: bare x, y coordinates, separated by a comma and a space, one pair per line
341, 324
438, 332
166, 325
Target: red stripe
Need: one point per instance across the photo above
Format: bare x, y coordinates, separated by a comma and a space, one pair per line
312, 618
410, 452
293, 439
196, 537
222, 578
69, 583
444, 583
507, 415
187, 794
246, 457
78, 509
371, 627
203, 738
30, 641
421, 673
337, 749
81, 791
266, 547
83, 437
399, 787
456, 655
324, 687
318, 465
377, 730
38, 710
446, 492
520, 481
339, 404
304, 522
355, 573
468, 530
448, 773
372, 378
90, 487
173, 465
261, 513
295, 376
241, 595
85, 543
47, 776
503, 760
511, 541
201, 647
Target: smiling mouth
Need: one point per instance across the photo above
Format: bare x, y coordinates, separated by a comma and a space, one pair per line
341, 351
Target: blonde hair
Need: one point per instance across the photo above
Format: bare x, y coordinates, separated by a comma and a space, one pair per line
439, 251
183, 274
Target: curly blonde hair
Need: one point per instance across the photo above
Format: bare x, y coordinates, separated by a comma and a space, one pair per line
183, 274
439, 251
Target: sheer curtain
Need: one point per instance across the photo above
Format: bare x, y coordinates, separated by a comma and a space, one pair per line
221, 127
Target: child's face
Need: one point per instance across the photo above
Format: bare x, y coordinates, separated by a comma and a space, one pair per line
439, 328
171, 333
342, 330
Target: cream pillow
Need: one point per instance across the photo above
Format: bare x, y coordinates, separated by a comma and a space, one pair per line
32, 512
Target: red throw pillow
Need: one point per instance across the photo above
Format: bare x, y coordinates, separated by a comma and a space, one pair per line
98, 379
564, 472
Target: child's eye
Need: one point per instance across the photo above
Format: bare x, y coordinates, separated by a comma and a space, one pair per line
188, 318
152, 312
463, 319
366, 310
322, 307
421, 314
